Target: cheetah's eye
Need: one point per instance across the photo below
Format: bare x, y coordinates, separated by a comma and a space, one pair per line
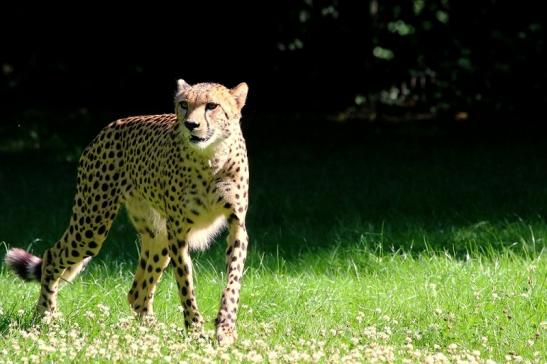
211, 106
183, 105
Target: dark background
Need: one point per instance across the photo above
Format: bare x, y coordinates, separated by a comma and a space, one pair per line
354, 60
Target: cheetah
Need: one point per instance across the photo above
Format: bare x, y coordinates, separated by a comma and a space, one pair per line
182, 177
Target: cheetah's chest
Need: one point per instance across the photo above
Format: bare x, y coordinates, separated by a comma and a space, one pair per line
202, 207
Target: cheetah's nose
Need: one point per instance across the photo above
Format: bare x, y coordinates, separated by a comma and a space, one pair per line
191, 125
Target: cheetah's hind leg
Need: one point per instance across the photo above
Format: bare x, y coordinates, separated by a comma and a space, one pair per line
66, 258
154, 255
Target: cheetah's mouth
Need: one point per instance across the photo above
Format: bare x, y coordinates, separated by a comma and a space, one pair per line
196, 139
202, 141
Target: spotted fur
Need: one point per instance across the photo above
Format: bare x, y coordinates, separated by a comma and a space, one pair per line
182, 177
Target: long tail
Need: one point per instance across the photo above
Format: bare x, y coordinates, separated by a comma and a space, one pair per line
24, 264
29, 267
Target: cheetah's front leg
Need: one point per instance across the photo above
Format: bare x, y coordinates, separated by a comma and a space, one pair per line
182, 264
236, 254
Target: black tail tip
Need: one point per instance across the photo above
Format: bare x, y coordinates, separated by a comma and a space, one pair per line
24, 264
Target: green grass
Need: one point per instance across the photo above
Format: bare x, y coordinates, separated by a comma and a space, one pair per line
381, 303
378, 245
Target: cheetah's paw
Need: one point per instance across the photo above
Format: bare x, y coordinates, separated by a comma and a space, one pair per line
226, 336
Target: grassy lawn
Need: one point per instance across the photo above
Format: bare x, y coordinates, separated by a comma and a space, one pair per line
367, 245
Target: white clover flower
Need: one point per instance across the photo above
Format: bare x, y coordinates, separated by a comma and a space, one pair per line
104, 309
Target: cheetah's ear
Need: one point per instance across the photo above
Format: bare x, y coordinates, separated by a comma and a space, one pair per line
240, 94
182, 86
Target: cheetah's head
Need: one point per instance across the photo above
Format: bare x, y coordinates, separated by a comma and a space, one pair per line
209, 112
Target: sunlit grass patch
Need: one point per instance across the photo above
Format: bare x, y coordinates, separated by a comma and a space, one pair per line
430, 308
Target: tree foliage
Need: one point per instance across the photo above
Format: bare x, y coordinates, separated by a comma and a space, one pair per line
434, 56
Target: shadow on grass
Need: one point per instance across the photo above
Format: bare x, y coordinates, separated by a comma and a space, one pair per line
329, 186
